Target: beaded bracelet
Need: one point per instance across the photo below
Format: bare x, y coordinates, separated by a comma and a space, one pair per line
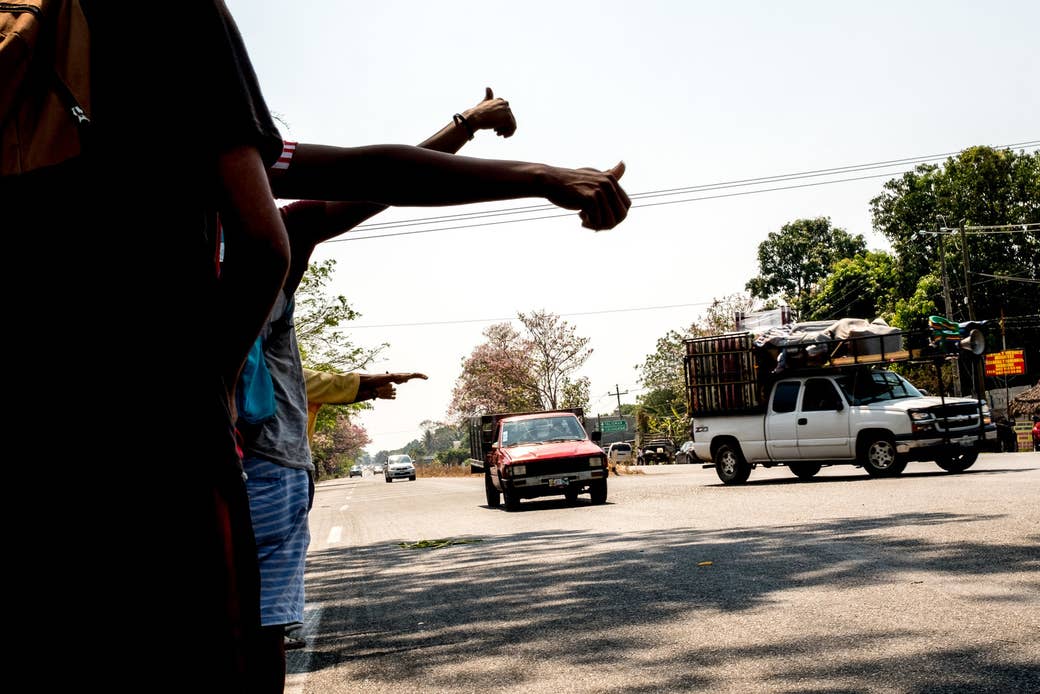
459, 118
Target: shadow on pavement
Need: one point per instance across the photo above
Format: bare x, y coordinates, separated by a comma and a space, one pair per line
518, 598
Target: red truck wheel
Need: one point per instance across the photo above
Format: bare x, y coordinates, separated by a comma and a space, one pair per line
512, 501
494, 499
598, 491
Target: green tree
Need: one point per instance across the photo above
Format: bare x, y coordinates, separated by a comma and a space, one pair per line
792, 261
324, 346
318, 320
859, 287
982, 186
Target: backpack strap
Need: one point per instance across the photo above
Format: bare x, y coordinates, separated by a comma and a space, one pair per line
45, 90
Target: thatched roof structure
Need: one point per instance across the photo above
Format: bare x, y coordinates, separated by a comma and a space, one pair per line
1026, 404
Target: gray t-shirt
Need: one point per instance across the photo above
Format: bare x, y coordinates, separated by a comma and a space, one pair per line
282, 439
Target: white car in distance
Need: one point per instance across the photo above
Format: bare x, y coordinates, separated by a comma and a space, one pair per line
399, 466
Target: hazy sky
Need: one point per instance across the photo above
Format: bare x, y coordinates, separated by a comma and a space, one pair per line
688, 94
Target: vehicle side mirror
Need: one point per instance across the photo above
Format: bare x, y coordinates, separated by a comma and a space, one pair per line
596, 435
840, 406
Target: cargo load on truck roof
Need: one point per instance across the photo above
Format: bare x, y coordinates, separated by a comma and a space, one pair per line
732, 372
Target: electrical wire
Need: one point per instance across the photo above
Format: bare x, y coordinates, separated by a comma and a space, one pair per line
529, 209
511, 318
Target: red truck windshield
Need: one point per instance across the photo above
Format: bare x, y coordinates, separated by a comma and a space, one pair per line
542, 430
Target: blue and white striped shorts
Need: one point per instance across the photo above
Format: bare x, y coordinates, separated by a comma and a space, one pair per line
279, 499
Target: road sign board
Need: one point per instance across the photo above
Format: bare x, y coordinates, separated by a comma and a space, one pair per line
1010, 362
606, 425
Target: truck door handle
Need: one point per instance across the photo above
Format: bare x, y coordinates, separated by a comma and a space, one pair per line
803, 420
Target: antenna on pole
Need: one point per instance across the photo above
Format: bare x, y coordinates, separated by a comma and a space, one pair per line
618, 392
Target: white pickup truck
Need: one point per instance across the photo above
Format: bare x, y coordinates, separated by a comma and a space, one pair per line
860, 416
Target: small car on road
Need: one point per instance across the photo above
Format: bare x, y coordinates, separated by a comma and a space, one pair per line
355, 471
399, 466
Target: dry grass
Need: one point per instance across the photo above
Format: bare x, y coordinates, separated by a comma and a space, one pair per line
442, 471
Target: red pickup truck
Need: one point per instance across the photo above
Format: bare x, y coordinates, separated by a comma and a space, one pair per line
524, 455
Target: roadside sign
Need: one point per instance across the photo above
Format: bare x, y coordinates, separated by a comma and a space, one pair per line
1010, 362
1024, 434
607, 425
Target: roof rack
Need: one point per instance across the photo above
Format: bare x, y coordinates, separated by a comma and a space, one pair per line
730, 372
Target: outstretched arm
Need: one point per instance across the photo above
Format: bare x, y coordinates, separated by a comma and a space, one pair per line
490, 114
321, 221
324, 388
412, 176
381, 386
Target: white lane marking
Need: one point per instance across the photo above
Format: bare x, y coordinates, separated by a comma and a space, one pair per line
334, 535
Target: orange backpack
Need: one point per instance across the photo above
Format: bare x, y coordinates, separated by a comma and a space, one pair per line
45, 90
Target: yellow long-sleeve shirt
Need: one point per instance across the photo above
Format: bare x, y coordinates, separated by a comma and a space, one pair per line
325, 388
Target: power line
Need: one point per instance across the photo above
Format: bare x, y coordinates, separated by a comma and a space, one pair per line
1009, 278
499, 320
700, 187
569, 213
530, 209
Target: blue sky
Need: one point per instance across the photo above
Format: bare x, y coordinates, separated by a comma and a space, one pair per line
686, 93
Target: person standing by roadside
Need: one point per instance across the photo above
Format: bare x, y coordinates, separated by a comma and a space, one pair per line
110, 276
276, 452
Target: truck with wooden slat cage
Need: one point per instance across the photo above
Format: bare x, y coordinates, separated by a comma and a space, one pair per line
810, 399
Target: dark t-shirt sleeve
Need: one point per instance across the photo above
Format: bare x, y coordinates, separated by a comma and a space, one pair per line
175, 79
243, 110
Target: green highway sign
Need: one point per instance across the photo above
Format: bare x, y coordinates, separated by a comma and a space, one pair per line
606, 425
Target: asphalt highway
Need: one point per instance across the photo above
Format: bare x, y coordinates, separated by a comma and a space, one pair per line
927, 583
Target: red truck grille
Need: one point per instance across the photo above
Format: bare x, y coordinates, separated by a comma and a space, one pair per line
558, 466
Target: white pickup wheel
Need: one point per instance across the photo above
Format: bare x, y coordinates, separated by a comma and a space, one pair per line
879, 458
958, 462
730, 465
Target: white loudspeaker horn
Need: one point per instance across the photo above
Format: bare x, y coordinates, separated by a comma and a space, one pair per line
975, 342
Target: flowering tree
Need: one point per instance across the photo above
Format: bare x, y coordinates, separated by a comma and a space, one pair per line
496, 377
514, 372
337, 447
557, 353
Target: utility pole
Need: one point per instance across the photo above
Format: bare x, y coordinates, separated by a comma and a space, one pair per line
941, 231
967, 279
618, 393
945, 278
